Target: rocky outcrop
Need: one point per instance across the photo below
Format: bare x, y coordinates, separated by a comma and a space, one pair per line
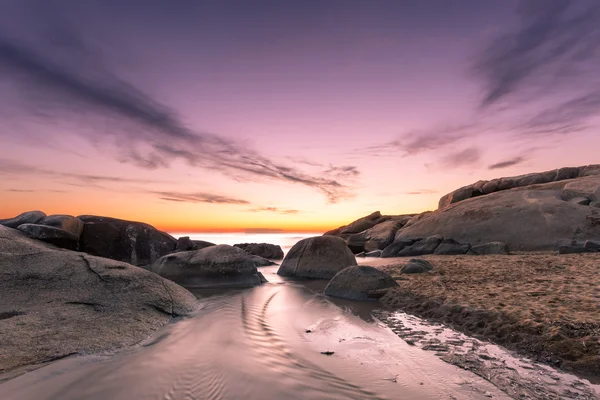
578, 246
133, 242
29, 217
421, 247
357, 226
184, 243
374, 253
417, 266
264, 250
527, 218
51, 234
396, 247
67, 223
489, 248
319, 257
362, 283
55, 302
214, 266
481, 188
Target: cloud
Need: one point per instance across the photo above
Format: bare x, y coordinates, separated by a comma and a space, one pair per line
467, 157
145, 132
199, 198
274, 210
553, 40
507, 163
420, 192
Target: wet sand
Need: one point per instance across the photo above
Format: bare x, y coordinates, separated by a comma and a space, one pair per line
546, 306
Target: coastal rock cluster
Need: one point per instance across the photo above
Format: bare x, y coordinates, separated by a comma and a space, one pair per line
534, 212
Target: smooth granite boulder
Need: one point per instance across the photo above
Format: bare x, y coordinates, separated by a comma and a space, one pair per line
133, 242
489, 248
64, 222
319, 257
398, 245
450, 247
184, 243
378, 237
29, 217
264, 250
212, 267
50, 234
362, 283
55, 302
416, 266
422, 247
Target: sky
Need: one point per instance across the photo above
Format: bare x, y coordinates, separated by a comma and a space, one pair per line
300, 116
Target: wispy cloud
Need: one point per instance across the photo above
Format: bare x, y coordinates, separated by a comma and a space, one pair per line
274, 210
467, 157
150, 135
507, 163
420, 192
199, 198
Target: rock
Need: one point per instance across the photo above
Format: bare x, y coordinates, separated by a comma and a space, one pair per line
393, 249
377, 237
65, 222
133, 242
319, 257
374, 253
211, 267
360, 283
581, 201
264, 250
50, 234
452, 247
486, 187
62, 302
489, 248
417, 266
201, 244
595, 204
422, 247
572, 249
184, 243
261, 261
592, 245
530, 218
29, 217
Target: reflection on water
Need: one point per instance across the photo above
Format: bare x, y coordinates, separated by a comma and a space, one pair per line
254, 344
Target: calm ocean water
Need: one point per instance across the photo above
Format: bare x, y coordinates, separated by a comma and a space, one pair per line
285, 240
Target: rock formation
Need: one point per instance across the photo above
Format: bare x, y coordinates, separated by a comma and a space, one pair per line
360, 283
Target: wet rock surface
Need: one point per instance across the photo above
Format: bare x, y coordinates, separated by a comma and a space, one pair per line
362, 283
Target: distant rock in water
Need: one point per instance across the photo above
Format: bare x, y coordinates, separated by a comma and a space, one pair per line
29, 217
264, 250
51, 234
58, 302
362, 283
319, 257
133, 242
215, 266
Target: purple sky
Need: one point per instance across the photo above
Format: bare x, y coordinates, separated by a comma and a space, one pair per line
295, 115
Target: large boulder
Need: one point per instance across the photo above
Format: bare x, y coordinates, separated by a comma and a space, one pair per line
357, 226
422, 247
451, 247
264, 250
397, 246
376, 238
489, 248
51, 234
362, 283
416, 266
184, 243
55, 302
481, 188
29, 217
215, 266
529, 218
133, 242
319, 257
66, 223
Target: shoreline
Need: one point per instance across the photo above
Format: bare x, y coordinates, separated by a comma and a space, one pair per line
541, 305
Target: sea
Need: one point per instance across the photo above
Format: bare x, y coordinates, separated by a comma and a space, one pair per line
285, 240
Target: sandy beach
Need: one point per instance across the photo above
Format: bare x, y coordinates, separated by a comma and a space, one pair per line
543, 305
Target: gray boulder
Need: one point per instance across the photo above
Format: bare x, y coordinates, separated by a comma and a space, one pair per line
378, 237
592, 245
66, 223
55, 302
201, 244
50, 234
215, 266
398, 245
133, 242
29, 217
595, 204
450, 247
264, 250
489, 248
184, 243
422, 247
360, 283
319, 257
417, 266
580, 201
530, 218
